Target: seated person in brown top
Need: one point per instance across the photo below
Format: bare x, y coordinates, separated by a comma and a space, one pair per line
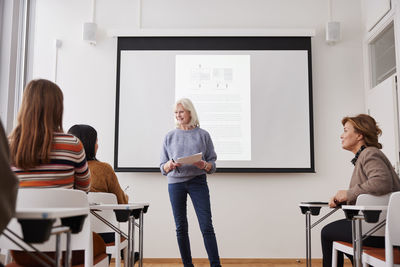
102, 174
103, 178
8, 183
373, 174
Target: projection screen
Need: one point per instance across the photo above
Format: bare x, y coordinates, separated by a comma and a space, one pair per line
252, 94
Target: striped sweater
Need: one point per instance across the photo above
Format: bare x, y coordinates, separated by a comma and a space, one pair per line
68, 167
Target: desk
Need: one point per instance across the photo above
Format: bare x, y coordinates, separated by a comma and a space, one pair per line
36, 224
308, 209
49, 213
126, 212
370, 214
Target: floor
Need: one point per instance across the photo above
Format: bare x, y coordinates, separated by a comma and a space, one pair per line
233, 263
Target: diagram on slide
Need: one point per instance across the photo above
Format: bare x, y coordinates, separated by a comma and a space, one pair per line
217, 78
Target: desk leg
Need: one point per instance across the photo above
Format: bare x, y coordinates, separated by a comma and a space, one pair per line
129, 242
68, 255
358, 252
141, 238
58, 249
353, 237
308, 239
133, 242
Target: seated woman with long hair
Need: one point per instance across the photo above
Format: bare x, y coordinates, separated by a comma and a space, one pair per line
39, 147
42, 155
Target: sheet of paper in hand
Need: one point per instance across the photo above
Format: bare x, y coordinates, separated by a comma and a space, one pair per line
190, 159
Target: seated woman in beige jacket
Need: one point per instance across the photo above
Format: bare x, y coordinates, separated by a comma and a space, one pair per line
373, 174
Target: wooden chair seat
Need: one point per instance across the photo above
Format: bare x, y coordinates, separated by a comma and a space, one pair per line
350, 245
113, 243
379, 253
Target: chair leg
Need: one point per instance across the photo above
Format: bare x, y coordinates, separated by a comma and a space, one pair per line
8, 258
334, 256
125, 254
117, 258
117, 251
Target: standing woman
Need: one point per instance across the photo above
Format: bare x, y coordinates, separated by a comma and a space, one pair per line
373, 174
183, 180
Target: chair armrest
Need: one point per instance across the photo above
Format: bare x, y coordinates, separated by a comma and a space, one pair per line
314, 207
371, 213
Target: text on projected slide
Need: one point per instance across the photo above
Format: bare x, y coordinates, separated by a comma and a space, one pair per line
219, 86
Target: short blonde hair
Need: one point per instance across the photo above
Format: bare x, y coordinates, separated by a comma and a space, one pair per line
188, 106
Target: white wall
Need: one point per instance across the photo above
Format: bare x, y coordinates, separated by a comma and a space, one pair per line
9, 18
255, 215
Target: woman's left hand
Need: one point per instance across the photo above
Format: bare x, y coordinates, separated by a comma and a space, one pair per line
340, 197
202, 165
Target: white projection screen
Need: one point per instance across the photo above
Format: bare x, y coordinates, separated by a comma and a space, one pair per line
252, 94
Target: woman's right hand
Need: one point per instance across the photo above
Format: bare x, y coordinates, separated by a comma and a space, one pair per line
170, 165
339, 198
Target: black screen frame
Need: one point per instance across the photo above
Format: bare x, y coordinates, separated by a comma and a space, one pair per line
225, 43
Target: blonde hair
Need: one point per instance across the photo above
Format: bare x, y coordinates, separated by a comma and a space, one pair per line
188, 106
39, 117
367, 126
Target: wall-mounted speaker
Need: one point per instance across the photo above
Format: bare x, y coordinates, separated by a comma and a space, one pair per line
332, 31
89, 32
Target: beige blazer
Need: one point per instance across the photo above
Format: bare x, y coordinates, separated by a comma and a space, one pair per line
373, 174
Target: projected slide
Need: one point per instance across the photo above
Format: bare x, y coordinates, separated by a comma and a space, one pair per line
219, 87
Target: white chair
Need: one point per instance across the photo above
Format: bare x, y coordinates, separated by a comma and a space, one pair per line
387, 256
99, 227
362, 200
58, 198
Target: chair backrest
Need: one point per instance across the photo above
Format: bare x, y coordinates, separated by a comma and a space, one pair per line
103, 198
370, 200
393, 219
55, 197
98, 226
392, 237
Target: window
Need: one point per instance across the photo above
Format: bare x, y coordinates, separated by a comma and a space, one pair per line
383, 57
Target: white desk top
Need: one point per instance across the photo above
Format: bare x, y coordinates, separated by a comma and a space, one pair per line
129, 206
49, 213
354, 207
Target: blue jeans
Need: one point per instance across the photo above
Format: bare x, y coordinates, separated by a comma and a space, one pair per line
197, 189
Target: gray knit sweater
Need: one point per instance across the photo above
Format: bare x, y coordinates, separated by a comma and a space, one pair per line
181, 143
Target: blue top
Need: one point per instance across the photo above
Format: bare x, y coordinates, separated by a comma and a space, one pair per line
182, 143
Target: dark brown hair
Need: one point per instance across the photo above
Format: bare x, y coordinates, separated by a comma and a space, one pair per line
88, 136
367, 126
40, 115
